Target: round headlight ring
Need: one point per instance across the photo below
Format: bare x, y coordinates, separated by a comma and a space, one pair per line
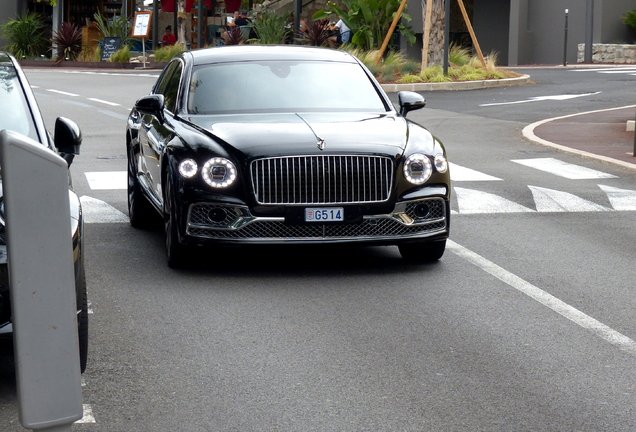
188, 168
441, 163
219, 172
417, 169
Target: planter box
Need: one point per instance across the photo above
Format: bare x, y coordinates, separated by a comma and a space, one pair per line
609, 53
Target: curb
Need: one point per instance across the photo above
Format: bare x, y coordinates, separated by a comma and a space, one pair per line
528, 133
461, 85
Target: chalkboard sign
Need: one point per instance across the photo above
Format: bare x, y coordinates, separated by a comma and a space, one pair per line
109, 46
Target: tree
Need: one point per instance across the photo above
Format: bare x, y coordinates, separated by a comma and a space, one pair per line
435, 33
181, 22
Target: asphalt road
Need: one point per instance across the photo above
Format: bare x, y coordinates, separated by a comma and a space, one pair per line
526, 323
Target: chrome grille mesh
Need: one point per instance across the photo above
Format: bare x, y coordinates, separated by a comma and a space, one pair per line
322, 179
276, 230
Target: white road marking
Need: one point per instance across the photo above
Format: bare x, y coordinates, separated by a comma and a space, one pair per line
103, 102
549, 200
472, 201
621, 199
587, 322
107, 180
88, 415
460, 173
542, 98
563, 169
630, 68
62, 92
97, 211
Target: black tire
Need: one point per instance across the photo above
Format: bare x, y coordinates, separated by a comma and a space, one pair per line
423, 252
82, 322
176, 253
140, 210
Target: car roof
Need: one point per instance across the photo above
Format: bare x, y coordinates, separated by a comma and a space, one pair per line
268, 52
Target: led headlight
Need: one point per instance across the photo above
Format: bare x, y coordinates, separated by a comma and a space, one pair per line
188, 168
219, 172
441, 163
417, 168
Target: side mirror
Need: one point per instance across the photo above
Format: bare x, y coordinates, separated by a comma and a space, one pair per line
67, 139
153, 104
410, 101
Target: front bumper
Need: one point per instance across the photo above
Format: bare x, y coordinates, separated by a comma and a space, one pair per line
220, 222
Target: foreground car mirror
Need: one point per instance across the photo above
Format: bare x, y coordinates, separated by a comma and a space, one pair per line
68, 138
151, 104
410, 101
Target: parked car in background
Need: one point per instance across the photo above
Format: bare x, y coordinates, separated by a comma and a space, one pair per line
20, 113
284, 144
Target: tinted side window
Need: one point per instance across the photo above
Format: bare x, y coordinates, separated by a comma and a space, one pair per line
16, 114
169, 85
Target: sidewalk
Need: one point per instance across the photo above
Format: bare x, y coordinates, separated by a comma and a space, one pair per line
599, 135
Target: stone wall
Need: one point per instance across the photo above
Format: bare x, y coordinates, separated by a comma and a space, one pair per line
609, 53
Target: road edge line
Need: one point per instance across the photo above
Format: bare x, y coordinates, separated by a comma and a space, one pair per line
528, 133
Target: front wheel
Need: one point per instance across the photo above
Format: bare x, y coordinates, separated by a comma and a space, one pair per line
140, 211
423, 252
176, 253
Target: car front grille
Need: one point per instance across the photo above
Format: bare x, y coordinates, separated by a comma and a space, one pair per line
239, 225
322, 179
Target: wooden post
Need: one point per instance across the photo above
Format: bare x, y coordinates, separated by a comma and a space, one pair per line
472, 33
427, 33
391, 30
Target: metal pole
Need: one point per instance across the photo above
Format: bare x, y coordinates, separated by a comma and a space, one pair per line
155, 24
446, 36
200, 25
589, 31
565, 43
298, 7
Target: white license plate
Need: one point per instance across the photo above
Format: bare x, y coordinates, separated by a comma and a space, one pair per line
329, 214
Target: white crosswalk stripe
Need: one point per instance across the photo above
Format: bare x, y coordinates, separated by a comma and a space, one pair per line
563, 169
460, 173
621, 199
107, 180
97, 211
548, 200
472, 201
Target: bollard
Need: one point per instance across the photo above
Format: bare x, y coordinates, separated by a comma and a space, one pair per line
565, 43
42, 284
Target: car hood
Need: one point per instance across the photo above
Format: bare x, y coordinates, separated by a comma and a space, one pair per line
258, 135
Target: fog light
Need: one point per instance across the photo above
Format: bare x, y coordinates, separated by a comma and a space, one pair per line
421, 210
217, 215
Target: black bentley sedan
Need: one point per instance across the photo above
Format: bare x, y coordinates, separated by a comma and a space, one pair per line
284, 144
20, 113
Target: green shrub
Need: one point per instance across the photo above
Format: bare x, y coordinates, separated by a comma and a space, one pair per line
122, 55
167, 53
271, 28
410, 79
68, 42
458, 55
25, 35
629, 18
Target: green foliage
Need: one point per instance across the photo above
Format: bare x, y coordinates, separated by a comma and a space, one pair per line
369, 20
114, 27
167, 53
68, 42
411, 67
122, 55
271, 28
629, 18
410, 79
458, 55
25, 35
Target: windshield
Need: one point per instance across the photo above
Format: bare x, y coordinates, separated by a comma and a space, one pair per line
282, 86
16, 115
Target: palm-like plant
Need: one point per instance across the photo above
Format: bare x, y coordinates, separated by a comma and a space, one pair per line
25, 35
68, 41
317, 34
116, 27
233, 36
271, 28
